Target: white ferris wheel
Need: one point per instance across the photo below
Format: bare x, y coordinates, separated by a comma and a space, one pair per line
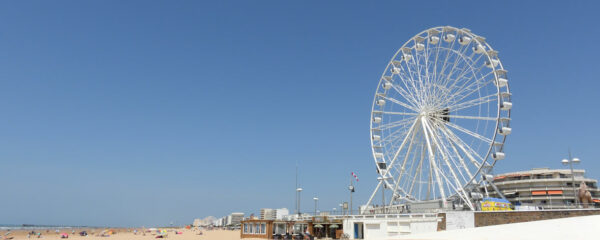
440, 117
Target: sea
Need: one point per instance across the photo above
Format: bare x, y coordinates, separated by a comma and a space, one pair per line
5, 227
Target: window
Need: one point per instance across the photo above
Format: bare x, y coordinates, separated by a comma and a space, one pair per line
257, 229
263, 228
245, 228
372, 226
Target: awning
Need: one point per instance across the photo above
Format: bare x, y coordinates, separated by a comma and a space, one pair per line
538, 193
334, 226
596, 200
555, 192
318, 226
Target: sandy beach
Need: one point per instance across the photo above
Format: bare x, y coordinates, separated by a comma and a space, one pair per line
124, 234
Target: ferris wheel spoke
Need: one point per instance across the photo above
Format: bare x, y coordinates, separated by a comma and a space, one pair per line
474, 102
471, 154
456, 152
453, 156
473, 134
444, 66
461, 160
463, 91
406, 95
403, 81
469, 117
399, 103
417, 74
468, 69
400, 113
390, 142
457, 62
408, 79
412, 128
394, 124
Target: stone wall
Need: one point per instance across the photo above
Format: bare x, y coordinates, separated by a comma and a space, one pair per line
496, 218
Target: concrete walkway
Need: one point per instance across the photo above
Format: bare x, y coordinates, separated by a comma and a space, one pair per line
587, 227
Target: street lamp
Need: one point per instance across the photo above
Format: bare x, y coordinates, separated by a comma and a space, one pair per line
570, 162
316, 200
298, 190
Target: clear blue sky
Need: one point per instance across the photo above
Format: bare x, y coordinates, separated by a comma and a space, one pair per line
143, 113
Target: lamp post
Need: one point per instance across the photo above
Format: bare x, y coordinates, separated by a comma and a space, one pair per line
351, 188
298, 190
382, 179
570, 162
316, 200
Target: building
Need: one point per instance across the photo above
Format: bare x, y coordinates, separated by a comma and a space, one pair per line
281, 213
274, 214
268, 214
390, 226
320, 227
543, 188
197, 222
235, 219
367, 227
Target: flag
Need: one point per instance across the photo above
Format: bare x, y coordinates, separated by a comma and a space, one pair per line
354, 175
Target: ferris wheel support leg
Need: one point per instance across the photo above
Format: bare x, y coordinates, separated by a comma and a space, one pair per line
436, 171
410, 146
372, 196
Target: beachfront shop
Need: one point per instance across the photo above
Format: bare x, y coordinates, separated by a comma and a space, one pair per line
323, 227
257, 228
319, 227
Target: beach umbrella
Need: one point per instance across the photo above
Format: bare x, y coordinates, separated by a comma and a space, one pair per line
334, 226
318, 226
